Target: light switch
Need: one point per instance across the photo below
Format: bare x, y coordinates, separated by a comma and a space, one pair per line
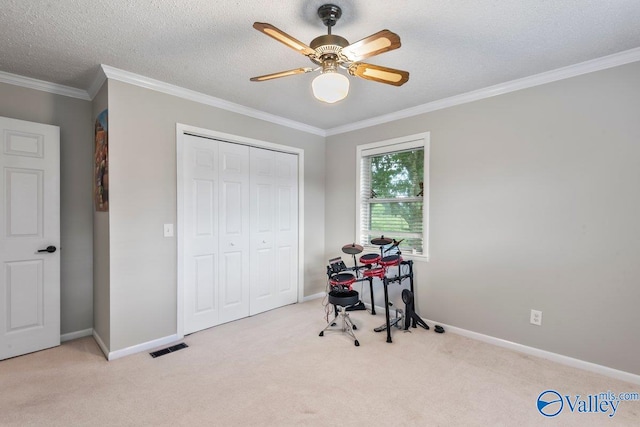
168, 230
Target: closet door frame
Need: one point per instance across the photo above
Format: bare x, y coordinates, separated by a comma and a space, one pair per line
181, 130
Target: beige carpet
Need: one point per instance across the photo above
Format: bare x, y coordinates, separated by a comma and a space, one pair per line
274, 370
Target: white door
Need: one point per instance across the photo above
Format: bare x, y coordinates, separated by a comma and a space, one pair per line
201, 296
234, 231
216, 232
29, 223
274, 229
263, 230
286, 267
240, 231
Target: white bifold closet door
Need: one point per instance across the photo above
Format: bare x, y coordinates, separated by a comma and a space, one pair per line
274, 229
227, 274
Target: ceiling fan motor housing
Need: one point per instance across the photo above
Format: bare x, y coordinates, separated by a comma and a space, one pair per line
329, 13
328, 45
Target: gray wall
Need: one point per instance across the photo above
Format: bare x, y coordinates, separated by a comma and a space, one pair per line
142, 150
101, 255
535, 203
73, 116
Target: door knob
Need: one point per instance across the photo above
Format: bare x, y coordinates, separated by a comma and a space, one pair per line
50, 249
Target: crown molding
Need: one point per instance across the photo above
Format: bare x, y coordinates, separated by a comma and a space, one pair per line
157, 85
97, 83
610, 61
105, 72
28, 82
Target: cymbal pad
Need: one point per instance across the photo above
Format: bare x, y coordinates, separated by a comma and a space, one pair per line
381, 241
352, 249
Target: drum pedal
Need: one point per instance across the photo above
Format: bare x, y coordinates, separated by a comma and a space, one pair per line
358, 306
393, 322
412, 317
400, 319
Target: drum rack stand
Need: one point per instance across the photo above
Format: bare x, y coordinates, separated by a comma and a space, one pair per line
408, 317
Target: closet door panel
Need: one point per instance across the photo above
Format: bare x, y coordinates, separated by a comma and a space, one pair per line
284, 265
234, 231
286, 183
263, 230
200, 234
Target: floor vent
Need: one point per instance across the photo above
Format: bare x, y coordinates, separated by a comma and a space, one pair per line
168, 350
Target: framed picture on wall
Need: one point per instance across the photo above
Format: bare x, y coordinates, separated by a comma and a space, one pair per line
101, 167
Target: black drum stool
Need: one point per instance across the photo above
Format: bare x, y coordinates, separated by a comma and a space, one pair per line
343, 300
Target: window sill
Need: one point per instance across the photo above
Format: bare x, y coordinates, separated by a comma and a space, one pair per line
419, 258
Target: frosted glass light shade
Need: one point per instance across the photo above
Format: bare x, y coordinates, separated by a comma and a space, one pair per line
330, 87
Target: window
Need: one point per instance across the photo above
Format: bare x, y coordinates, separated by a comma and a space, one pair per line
393, 192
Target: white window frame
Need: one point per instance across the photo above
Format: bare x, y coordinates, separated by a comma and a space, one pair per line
419, 141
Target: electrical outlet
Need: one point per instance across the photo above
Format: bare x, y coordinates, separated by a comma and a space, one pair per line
536, 317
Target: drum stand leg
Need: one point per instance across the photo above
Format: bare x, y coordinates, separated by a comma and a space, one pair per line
347, 325
410, 315
373, 305
388, 322
386, 308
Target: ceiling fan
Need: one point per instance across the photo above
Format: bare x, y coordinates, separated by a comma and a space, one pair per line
331, 52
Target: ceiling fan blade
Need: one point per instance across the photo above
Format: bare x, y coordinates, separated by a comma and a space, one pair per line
375, 44
379, 74
284, 38
281, 74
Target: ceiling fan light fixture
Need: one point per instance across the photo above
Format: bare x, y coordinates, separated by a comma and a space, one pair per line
332, 52
330, 87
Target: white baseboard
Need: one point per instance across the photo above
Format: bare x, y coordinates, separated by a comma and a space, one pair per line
101, 344
113, 355
554, 357
314, 296
532, 351
77, 334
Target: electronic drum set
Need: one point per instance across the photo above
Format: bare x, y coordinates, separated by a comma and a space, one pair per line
389, 268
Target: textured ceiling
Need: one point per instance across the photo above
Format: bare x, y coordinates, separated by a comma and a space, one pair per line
449, 47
